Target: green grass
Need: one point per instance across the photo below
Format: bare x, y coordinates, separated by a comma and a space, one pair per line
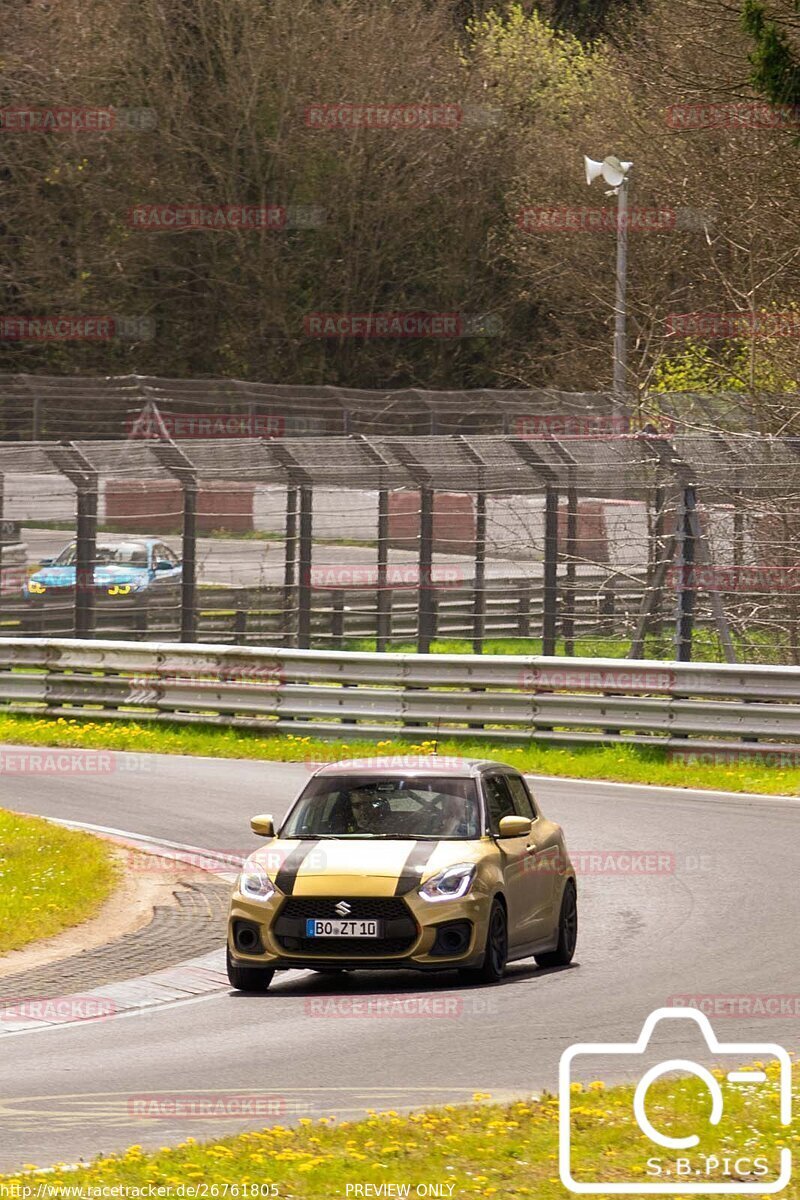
758, 647
483, 1150
624, 764
50, 879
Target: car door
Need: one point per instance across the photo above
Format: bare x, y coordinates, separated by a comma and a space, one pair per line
514, 854
165, 585
543, 856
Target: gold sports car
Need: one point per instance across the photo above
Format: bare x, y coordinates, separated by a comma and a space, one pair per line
431, 867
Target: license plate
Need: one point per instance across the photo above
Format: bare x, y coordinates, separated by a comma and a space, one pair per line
325, 928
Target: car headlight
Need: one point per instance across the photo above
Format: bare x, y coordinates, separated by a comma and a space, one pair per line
36, 587
255, 883
450, 884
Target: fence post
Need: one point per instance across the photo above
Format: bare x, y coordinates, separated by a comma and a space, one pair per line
383, 598
479, 594
687, 587
304, 566
524, 610
550, 601
290, 563
337, 620
70, 461
173, 460
568, 618
426, 631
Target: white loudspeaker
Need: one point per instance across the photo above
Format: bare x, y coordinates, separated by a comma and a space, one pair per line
593, 169
613, 171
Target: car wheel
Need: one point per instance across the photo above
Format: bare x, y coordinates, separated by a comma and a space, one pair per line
495, 955
248, 979
567, 932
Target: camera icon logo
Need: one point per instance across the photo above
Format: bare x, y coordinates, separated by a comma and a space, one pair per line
723, 1171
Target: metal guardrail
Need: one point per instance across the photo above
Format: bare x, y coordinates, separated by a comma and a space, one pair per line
330, 693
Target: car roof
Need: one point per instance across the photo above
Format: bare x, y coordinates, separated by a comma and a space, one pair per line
427, 765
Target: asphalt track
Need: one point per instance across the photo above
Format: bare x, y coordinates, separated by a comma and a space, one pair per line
721, 918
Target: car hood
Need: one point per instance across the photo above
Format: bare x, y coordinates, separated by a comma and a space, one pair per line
104, 576
356, 866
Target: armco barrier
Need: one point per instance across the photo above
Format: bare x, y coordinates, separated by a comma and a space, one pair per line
329, 693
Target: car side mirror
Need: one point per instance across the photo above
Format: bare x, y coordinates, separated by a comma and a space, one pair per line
263, 826
163, 564
45, 562
511, 827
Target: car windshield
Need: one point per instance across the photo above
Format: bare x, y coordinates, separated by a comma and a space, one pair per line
129, 554
358, 806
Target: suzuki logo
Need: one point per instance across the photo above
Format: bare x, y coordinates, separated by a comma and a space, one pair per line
342, 908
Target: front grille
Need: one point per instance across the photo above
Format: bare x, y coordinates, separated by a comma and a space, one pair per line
346, 947
362, 908
399, 927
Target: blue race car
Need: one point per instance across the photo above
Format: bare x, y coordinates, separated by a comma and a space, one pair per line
144, 570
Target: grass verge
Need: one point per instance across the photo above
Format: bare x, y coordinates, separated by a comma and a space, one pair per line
481, 1150
622, 764
50, 879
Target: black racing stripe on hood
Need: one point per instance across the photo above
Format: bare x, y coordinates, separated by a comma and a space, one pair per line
411, 873
286, 876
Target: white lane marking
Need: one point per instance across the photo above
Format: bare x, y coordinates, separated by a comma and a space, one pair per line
644, 789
